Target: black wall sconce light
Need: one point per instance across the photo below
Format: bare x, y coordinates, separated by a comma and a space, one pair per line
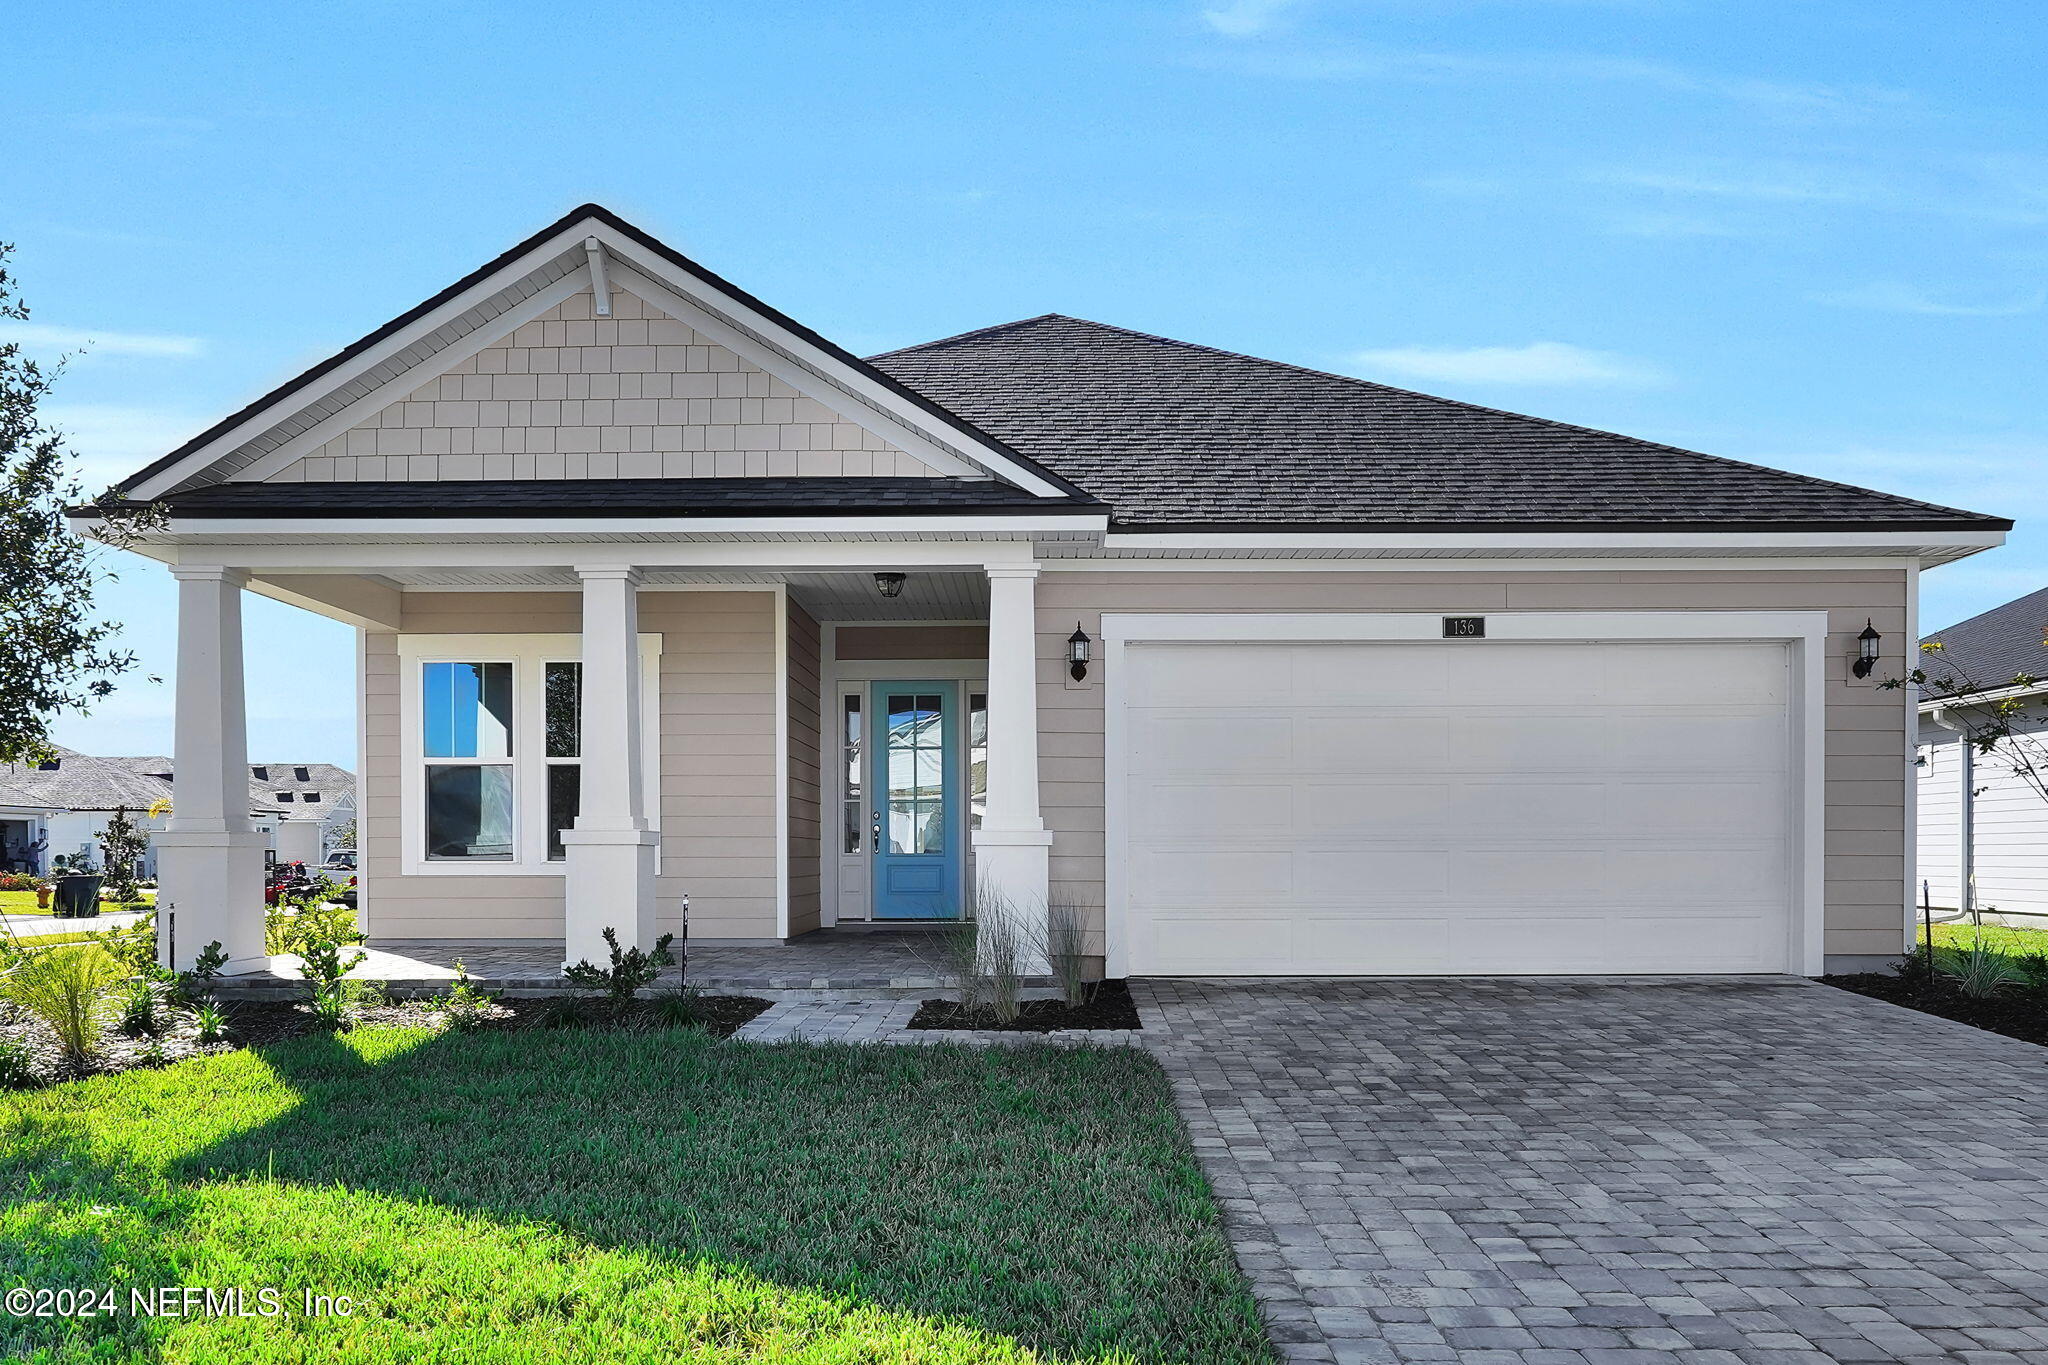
1866, 650
1078, 646
889, 584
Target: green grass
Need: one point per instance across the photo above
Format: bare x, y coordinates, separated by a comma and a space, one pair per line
24, 903
594, 1196
1997, 937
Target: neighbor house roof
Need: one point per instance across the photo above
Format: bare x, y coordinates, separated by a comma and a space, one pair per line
1992, 648
1175, 434
75, 781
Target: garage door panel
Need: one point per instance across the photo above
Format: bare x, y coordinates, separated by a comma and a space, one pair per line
1360, 876
1380, 744
1224, 745
1184, 877
1208, 812
1396, 809
1416, 807
1341, 675
1683, 675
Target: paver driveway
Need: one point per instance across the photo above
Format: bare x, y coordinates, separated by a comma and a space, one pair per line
1609, 1173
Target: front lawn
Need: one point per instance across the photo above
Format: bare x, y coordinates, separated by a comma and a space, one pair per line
600, 1196
24, 903
1997, 937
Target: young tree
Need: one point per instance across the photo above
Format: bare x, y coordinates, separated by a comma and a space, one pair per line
55, 656
1998, 718
122, 844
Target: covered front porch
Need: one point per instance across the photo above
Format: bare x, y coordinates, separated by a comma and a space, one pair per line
782, 737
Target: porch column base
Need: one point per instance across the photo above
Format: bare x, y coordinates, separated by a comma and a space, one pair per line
210, 891
1013, 877
610, 885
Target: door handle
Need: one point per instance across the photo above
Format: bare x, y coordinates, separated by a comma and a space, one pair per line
878, 831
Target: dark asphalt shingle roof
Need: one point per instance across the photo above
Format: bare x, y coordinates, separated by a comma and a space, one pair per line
1991, 648
93, 782
621, 497
1171, 433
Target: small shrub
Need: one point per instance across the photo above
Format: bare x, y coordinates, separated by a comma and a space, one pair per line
70, 988
122, 844
325, 964
629, 971
1979, 971
309, 916
154, 1054
563, 1011
196, 982
466, 1006
133, 947
141, 1004
212, 1022
16, 1072
1003, 947
19, 881
676, 1007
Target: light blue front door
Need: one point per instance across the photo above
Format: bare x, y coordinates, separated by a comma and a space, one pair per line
915, 830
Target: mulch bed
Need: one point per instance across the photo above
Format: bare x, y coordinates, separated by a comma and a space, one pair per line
2016, 1014
1109, 1007
253, 1023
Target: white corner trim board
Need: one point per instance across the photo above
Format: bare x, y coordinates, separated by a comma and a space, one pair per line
1355, 794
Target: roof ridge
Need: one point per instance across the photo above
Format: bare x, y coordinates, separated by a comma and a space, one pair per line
2007, 605
989, 330
1439, 398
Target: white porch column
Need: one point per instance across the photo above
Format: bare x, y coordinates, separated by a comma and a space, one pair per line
611, 850
209, 859
1013, 848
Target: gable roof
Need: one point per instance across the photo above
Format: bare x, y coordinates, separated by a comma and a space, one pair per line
91, 782
1176, 435
1993, 647
549, 256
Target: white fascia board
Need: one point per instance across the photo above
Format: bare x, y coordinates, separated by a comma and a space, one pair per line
635, 268
1704, 542
284, 554
1494, 564
264, 418
484, 530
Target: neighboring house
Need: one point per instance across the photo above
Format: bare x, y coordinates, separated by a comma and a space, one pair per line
68, 799
660, 594
1981, 821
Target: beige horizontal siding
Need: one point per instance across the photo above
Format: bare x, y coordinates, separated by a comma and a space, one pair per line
718, 771
1865, 741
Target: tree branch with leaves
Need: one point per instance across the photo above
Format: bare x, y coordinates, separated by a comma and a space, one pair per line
1995, 717
56, 656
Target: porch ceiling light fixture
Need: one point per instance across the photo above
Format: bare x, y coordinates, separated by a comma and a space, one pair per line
1078, 646
1866, 650
889, 584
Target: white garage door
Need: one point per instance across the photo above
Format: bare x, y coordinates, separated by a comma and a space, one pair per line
1461, 807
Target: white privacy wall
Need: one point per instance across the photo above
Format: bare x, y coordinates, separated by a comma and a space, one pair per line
571, 395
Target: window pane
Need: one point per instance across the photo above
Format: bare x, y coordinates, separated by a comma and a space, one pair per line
977, 757
565, 792
565, 710
850, 741
467, 710
469, 811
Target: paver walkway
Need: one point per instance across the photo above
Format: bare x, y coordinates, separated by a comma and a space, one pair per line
1576, 1173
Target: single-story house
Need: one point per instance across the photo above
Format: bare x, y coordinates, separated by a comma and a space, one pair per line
1982, 815
64, 802
1266, 671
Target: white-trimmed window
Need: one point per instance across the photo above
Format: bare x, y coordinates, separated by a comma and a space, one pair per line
491, 744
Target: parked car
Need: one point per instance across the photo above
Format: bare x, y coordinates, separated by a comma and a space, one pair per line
341, 860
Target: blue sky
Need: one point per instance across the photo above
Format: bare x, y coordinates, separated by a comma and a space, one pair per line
1813, 235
